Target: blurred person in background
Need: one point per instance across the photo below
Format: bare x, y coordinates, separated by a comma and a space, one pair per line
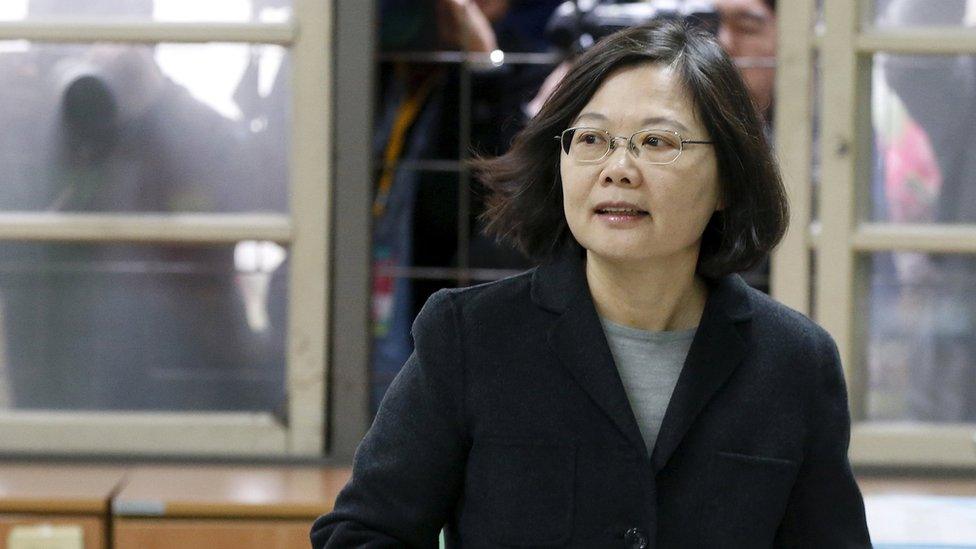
933, 306
415, 213
747, 31
122, 326
263, 96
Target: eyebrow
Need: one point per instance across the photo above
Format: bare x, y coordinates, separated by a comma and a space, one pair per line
644, 122
745, 15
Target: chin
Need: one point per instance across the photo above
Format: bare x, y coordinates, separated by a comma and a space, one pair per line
618, 253
635, 253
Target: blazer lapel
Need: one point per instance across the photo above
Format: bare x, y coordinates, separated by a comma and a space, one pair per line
577, 339
718, 347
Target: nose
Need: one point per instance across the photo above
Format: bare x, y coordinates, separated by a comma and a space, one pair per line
620, 168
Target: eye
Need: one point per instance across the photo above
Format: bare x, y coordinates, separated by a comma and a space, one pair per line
656, 140
590, 137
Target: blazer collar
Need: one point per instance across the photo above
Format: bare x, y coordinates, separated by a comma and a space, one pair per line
578, 340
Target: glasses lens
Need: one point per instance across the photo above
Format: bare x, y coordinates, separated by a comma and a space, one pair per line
657, 146
586, 144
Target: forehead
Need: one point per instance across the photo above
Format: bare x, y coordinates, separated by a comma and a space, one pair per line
741, 5
648, 91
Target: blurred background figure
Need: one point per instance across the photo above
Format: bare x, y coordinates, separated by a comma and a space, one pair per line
137, 327
263, 99
923, 366
420, 135
748, 33
745, 28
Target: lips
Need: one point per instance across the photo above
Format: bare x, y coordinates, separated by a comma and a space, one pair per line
620, 208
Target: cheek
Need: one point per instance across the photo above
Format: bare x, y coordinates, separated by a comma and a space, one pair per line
568, 198
574, 188
705, 203
692, 202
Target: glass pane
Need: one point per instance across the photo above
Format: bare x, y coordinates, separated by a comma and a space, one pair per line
916, 13
120, 327
921, 354
225, 11
925, 123
122, 128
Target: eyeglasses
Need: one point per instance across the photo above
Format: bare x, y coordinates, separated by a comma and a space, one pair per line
651, 146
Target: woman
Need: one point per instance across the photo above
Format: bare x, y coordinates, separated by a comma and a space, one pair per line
630, 391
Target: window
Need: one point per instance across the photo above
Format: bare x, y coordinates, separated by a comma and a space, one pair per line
163, 225
894, 217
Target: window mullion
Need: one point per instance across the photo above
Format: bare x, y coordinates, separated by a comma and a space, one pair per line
928, 238
195, 228
918, 41
149, 32
790, 272
835, 293
310, 206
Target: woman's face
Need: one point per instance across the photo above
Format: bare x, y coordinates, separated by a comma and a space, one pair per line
675, 200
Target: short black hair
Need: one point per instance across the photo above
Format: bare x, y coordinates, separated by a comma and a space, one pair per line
525, 202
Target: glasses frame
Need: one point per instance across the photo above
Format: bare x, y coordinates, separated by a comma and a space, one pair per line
612, 140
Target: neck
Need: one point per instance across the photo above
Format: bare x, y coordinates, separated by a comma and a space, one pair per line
664, 296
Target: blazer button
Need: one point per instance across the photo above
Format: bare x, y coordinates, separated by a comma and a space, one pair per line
635, 538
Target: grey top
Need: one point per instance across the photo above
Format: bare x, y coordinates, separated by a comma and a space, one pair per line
649, 364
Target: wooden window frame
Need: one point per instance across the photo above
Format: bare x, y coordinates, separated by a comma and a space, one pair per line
840, 238
305, 231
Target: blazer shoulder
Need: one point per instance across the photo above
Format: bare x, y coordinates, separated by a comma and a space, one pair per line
490, 298
788, 326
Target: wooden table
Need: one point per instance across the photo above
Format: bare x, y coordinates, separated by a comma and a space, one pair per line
59, 495
230, 507
222, 507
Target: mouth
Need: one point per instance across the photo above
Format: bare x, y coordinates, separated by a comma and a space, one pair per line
620, 209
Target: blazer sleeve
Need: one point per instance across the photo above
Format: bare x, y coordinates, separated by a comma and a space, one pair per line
825, 508
408, 470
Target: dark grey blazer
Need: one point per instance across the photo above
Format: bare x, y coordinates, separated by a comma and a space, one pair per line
509, 426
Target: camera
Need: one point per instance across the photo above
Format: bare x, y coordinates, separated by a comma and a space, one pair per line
578, 24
